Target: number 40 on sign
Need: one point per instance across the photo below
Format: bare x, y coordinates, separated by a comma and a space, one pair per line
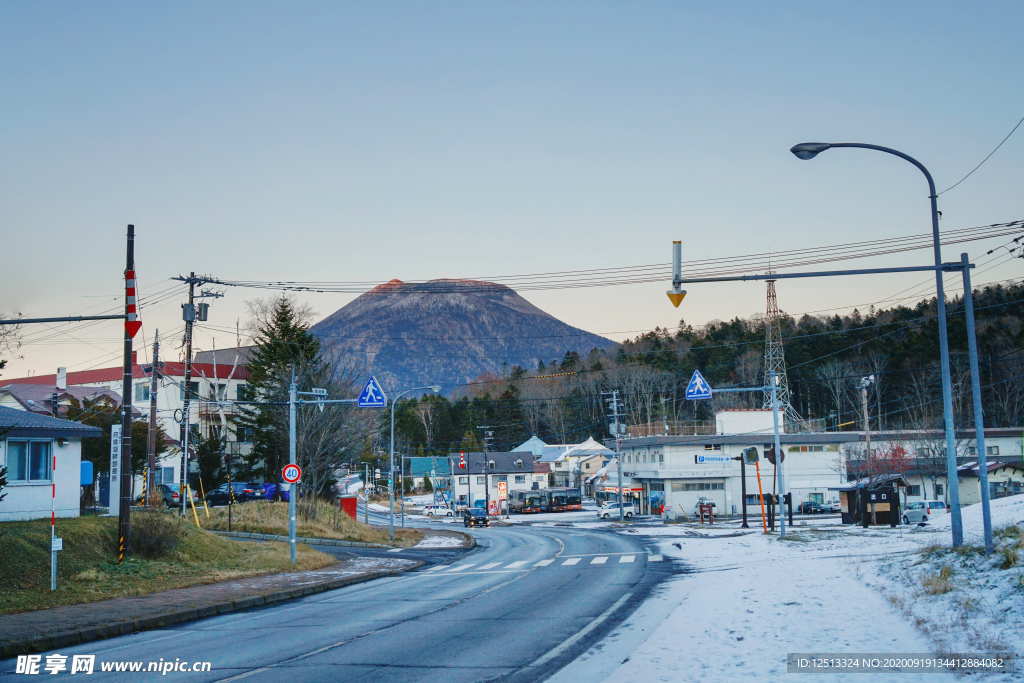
291, 473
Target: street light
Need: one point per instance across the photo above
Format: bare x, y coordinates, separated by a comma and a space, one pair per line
391, 475
809, 150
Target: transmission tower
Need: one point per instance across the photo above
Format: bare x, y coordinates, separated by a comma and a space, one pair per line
775, 359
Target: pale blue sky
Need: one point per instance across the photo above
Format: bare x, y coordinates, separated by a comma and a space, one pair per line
342, 141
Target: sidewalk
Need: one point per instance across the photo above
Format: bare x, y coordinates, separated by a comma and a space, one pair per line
62, 626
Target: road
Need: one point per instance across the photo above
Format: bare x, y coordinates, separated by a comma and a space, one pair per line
518, 608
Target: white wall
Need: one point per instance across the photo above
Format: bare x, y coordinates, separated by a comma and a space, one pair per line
32, 501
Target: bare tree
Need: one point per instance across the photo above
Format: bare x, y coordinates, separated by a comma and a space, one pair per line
10, 339
836, 376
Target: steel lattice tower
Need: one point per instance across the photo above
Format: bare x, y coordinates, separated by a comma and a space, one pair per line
775, 359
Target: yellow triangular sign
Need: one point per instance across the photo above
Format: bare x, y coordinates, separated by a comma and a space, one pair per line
676, 298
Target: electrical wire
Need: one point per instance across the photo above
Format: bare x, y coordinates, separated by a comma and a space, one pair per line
983, 160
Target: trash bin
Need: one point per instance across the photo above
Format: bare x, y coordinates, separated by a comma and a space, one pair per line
348, 506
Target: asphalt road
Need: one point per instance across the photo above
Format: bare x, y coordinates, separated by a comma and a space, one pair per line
520, 607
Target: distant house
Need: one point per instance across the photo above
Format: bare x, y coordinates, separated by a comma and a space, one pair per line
480, 478
39, 398
1004, 479
30, 444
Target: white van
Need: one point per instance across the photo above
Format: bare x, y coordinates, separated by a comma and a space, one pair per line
922, 510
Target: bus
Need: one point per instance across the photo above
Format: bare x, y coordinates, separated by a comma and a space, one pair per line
564, 499
524, 502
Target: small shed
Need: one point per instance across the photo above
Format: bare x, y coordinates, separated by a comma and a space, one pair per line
43, 457
854, 495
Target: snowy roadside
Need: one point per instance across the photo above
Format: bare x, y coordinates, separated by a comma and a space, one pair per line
750, 599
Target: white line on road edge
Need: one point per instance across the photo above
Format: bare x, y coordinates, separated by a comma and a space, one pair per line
625, 558
572, 640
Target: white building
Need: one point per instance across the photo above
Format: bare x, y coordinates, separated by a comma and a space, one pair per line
480, 479
30, 445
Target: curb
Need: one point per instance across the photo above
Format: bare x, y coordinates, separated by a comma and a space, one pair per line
304, 539
117, 628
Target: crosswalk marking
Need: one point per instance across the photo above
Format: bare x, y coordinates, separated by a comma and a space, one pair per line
543, 563
462, 566
654, 558
436, 567
513, 565
571, 560
599, 560
488, 566
395, 550
625, 558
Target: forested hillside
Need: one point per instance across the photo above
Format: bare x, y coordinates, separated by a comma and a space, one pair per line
825, 356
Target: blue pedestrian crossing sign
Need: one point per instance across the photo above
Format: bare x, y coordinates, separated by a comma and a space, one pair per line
698, 387
372, 396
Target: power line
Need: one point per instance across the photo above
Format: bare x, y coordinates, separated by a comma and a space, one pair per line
983, 160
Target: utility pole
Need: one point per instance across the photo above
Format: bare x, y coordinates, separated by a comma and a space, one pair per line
865, 382
774, 379
614, 401
131, 315
154, 382
189, 316
487, 470
293, 494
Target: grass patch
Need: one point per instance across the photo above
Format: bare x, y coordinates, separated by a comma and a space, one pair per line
938, 584
172, 554
314, 518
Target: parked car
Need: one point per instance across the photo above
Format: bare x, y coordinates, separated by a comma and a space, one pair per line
834, 506
438, 511
474, 517
171, 494
811, 508
270, 489
611, 509
922, 510
704, 500
244, 492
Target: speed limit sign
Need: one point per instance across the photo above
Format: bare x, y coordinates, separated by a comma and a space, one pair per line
291, 473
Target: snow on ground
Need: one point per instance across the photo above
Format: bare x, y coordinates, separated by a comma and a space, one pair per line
377, 507
440, 542
751, 599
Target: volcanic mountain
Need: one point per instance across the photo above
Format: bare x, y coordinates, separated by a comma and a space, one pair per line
448, 332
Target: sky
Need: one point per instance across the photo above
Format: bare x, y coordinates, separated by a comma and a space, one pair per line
333, 141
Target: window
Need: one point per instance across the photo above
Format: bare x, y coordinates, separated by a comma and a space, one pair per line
661, 457
657, 487
939, 490
992, 450
588, 465
538, 477
501, 477
914, 490
165, 475
193, 390
713, 447
28, 461
520, 478
479, 480
242, 392
141, 392
463, 480
245, 434
972, 450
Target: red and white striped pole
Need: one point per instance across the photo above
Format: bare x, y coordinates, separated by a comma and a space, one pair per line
53, 523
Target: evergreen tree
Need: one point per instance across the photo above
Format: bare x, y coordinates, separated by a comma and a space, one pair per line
210, 458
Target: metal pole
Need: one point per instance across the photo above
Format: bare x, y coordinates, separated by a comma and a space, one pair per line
743, 489
778, 454
187, 407
979, 416
618, 451
391, 475
292, 489
53, 521
125, 510
153, 384
867, 422
366, 495
401, 485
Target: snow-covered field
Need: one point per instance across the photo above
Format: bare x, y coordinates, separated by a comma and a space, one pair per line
751, 599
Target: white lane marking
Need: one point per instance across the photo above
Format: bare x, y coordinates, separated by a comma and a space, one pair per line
599, 560
462, 566
513, 565
625, 558
436, 567
491, 565
395, 550
654, 558
543, 563
572, 640
571, 560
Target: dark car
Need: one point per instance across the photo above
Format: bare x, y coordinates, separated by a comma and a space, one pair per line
809, 508
475, 516
270, 491
244, 492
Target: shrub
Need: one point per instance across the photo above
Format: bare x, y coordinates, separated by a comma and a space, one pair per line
155, 535
938, 584
1010, 557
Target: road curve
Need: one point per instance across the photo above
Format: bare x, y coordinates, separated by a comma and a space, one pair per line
518, 608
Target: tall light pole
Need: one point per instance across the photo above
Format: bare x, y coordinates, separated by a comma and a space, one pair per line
391, 473
809, 150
